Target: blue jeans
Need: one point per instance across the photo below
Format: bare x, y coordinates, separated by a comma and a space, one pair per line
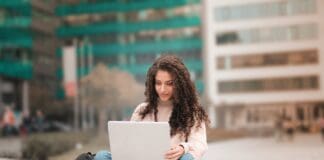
105, 155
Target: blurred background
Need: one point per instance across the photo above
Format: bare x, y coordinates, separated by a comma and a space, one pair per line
69, 66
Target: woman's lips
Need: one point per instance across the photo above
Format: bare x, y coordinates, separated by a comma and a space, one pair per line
164, 95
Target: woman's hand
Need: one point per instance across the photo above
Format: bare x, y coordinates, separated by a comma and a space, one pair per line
174, 153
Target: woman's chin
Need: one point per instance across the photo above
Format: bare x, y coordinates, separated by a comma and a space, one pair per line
164, 99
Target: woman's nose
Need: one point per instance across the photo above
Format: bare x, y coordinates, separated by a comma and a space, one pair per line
163, 88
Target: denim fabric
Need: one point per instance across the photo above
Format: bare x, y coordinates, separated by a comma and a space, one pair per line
187, 156
105, 155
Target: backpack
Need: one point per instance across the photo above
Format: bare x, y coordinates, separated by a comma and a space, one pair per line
86, 156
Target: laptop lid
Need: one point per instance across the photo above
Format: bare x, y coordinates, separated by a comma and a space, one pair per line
138, 140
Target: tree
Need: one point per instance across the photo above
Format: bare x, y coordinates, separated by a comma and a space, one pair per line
110, 89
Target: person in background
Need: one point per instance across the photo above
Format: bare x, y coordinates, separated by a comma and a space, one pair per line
289, 127
278, 125
8, 122
26, 124
39, 121
321, 125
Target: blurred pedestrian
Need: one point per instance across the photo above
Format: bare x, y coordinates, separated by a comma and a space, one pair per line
289, 127
8, 122
26, 124
278, 128
39, 121
321, 125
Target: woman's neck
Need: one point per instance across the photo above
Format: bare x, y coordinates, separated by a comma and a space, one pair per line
167, 103
164, 110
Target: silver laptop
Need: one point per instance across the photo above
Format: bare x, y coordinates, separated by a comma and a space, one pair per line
138, 140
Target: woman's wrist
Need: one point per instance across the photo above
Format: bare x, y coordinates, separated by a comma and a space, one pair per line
183, 148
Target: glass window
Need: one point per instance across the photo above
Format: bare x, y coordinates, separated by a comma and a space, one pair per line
229, 37
266, 9
273, 34
264, 85
142, 15
268, 59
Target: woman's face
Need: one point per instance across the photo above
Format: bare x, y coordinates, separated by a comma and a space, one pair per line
164, 85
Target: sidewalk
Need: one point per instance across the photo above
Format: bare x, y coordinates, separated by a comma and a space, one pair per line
304, 147
10, 146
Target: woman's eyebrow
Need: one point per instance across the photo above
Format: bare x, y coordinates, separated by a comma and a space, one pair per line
164, 81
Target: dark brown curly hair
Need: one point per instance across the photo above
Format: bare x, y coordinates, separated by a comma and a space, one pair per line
186, 109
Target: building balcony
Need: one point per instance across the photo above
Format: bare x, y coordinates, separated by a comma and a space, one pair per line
48, 47
16, 42
15, 22
13, 3
88, 8
16, 69
39, 26
48, 7
48, 70
172, 45
128, 27
136, 69
26, 22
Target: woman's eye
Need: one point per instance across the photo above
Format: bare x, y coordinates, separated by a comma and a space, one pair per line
169, 83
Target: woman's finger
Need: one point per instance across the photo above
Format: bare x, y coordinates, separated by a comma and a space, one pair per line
176, 153
171, 151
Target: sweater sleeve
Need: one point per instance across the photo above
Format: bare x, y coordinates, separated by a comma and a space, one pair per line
136, 114
197, 142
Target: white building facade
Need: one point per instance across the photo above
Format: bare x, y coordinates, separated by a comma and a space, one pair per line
264, 58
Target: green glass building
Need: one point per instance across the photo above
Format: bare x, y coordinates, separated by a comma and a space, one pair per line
27, 53
125, 34
130, 34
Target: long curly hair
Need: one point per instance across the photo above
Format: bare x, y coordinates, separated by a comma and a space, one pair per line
186, 109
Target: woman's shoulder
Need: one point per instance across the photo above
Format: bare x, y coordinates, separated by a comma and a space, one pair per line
140, 108
136, 114
143, 104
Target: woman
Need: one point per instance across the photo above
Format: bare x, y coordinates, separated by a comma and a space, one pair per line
171, 96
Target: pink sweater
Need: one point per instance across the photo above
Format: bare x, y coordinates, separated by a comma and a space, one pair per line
197, 141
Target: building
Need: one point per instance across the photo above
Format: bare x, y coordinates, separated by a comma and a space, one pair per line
27, 53
264, 59
130, 34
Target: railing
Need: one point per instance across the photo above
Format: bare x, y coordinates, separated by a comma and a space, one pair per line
128, 27
16, 22
48, 7
25, 42
64, 10
142, 47
136, 69
13, 3
16, 69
